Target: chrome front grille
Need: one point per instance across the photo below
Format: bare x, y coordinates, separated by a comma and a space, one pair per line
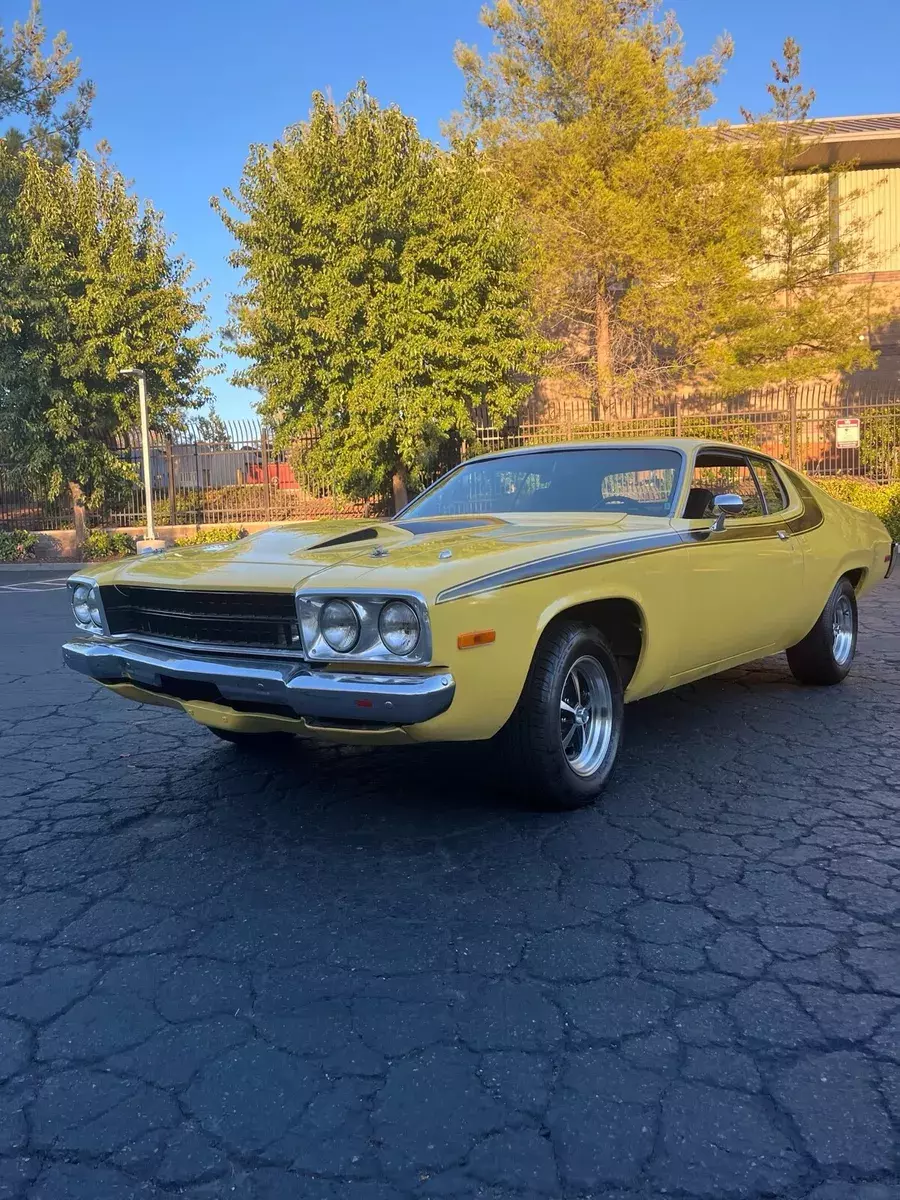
243, 620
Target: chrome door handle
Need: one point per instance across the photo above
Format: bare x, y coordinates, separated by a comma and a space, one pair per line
783, 534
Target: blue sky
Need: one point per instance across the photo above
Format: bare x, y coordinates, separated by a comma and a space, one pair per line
184, 87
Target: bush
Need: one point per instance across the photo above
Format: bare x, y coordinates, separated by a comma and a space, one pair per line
210, 537
879, 442
103, 544
882, 499
247, 502
17, 545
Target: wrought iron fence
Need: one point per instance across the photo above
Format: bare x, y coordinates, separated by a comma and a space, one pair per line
242, 478
800, 426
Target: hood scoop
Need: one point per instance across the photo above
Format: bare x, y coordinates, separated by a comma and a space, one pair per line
344, 539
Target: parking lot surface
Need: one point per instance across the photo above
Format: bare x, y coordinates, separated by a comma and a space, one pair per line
366, 975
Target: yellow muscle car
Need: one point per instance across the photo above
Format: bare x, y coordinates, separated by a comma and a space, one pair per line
527, 595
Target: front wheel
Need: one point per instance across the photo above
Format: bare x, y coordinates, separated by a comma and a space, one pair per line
826, 653
562, 740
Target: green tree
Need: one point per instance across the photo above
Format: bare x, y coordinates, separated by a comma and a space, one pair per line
88, 285
385, 294
646, 220
210, 428
42, 89
802, 320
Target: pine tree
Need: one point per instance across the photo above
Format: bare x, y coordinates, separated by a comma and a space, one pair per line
646, 220
44, 90
802, 320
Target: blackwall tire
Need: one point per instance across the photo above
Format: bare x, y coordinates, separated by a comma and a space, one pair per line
825, 655
560, 745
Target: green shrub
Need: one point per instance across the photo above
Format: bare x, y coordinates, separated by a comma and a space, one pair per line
882, 499
103, 544
247, 502
17, 545
213, 535
720, 427
879, 441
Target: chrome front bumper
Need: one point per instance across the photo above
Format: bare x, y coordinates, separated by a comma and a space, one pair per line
260, 684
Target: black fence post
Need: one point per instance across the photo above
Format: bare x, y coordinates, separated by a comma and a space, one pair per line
792, 420
170, 462
198, 481
264, 448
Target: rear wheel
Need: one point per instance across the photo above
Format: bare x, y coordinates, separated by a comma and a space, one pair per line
826, 653
561, 742
253, 743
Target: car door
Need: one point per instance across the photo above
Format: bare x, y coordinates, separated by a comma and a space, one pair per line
745, 580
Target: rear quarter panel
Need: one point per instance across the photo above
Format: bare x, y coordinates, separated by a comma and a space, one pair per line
847, 540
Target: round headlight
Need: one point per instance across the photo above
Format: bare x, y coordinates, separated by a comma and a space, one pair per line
86, 604
81, 603
339, 625
399, 627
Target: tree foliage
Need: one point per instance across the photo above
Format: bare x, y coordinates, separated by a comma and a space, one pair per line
42, 89
210, 428
646, 220
802, 319
88, 286
385, 293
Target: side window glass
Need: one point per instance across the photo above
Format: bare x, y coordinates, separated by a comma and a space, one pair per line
771, 485
716, 474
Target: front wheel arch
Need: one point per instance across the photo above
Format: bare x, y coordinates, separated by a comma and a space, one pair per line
621, 621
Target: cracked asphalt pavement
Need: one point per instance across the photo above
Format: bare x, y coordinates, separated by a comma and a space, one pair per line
364, 975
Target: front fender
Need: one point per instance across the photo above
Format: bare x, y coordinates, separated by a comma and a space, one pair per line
490, 678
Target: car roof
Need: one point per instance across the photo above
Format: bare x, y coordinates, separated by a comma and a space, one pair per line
683, 445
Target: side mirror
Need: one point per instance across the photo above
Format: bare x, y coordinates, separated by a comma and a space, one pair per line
726, 505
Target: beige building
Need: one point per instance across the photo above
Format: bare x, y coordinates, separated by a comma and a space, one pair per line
872, 143
871, 190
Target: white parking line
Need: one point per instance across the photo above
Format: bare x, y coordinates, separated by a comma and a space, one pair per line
36, 585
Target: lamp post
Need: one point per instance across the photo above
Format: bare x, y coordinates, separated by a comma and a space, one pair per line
141, 377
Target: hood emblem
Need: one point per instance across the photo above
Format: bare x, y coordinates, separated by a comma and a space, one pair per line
446, 554
379, 552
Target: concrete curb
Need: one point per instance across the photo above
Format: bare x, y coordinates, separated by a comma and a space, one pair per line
63, 565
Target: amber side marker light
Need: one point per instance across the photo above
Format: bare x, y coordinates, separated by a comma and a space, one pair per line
482, 637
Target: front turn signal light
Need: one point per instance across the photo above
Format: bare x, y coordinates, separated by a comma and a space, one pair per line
481, 637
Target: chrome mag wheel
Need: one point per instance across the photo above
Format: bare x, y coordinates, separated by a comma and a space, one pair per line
585, 716
842, 630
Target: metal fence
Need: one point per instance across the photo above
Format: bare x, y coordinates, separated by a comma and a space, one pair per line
194, 481
822, 429
241, 477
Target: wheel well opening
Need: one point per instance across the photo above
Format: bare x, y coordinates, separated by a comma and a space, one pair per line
856, 577
621, 624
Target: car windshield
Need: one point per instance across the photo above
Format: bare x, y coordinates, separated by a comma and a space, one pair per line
639, 480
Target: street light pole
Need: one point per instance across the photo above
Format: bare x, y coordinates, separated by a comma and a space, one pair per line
141, 377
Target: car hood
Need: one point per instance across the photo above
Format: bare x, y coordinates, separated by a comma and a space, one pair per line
426, 555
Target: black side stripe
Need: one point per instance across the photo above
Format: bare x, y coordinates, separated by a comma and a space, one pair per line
557, 564
812, 516
590, 556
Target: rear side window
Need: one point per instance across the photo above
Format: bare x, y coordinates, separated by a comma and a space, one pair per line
770, 485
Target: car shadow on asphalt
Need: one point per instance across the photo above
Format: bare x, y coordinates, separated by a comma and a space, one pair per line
439, 788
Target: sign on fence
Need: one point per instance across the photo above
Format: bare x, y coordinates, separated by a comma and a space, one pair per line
846, 434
